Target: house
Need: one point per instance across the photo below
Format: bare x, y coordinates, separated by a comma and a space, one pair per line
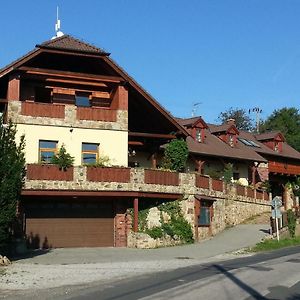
68, 92
256, 158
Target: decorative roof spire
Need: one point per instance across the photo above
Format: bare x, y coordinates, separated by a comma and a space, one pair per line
58, 32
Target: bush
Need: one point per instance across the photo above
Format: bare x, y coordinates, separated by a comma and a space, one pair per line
175, 156
155, 232
63, 159
291, 223
228, 173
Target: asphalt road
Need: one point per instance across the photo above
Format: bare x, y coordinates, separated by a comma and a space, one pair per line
273, 275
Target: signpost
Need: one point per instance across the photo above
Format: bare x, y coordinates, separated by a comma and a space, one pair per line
276, 213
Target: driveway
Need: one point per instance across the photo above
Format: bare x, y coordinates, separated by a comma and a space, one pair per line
61, 267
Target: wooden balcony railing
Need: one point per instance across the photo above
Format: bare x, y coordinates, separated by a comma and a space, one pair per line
48, 172
96, 114
217, 185
202, 182
161, 177
99, 174
277, 167
49, 110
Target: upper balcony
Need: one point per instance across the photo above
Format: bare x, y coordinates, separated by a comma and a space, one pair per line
283, 168
48, 180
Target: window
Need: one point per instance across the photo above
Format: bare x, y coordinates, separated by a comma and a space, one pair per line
231, 140
198, 135
276, 147
248, 143
82, 99
47, 150
205, 213
89, 153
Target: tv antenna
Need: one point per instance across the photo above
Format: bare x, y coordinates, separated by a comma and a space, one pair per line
195, 106
58, 32
257, 112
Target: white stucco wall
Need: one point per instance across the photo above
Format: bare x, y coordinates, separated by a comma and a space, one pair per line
112, 143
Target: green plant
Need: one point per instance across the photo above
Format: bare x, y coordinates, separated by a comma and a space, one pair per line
12, 175
213, 173
296, 187
63, 159
273, 244
266, 186
175, 156
291, 218
228, 173
155, 232
102, 161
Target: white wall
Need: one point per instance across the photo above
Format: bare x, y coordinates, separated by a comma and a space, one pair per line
112, 143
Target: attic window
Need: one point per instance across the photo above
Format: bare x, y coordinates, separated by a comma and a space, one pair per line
231, 141
198, 135
276, 147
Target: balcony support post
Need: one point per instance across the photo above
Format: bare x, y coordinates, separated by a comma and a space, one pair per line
135, 214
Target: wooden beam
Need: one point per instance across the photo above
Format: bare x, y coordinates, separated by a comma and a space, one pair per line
77, 82
152, 135
70, 52
135, 143
76, 193
67, 74
135, 214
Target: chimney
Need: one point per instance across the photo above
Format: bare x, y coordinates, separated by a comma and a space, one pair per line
230, 121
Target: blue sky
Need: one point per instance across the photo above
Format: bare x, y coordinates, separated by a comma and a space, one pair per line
233, 53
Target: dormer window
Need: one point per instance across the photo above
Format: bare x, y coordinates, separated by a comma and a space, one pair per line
231, 140
276, 146
198, 135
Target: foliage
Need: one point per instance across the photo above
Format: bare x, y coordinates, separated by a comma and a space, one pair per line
177, 228
291, 218
102, 161
155, 232
175, 156
214, 174
228, 173
242, 120
268, 245
12, 174
266, 186
296, 187
63, 159
287, 121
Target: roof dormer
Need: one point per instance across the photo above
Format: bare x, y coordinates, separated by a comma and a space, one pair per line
196, 128
273, 140
228, 133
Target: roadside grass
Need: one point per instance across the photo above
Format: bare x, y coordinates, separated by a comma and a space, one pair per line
273, 244
2, 272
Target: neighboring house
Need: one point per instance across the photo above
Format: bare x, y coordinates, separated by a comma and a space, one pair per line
256, 158
211, 147
67, 92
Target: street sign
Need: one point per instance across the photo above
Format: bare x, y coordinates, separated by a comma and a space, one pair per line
276, 213
276, 202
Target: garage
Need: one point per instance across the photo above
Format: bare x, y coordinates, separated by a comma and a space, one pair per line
62, 223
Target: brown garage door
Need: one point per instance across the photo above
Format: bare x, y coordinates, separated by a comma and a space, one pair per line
65, 224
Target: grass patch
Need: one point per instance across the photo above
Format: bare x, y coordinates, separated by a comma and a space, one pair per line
273, 244
2, 272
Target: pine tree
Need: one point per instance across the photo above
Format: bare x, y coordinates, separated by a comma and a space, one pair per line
12, 174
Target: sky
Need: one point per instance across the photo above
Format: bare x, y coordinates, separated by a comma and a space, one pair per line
201, 55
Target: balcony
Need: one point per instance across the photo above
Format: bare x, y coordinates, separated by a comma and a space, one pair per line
132, 180
96, 114
283, 168
35, 109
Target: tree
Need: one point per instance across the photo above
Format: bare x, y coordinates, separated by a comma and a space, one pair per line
63, 159
242, 120
176, 154
287, 121
12, 174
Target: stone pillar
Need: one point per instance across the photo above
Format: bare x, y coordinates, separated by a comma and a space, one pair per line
136, 214
13, 91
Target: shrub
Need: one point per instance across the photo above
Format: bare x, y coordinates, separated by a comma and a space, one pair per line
63, 159
228, 173
175, 156
291, 218
155, 232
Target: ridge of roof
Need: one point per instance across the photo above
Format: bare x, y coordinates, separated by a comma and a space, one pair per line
68, 42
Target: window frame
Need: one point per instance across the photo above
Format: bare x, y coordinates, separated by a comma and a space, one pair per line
208, 206
42, 149
89, 152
